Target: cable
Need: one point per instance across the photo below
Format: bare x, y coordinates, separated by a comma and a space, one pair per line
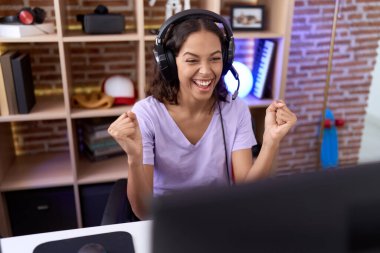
225, 146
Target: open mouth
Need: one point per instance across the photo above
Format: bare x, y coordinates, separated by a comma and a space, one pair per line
203, 84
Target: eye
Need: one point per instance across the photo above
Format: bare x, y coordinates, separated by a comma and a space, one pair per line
216, 58
191, 61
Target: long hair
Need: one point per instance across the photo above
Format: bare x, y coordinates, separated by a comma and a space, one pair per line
173, 41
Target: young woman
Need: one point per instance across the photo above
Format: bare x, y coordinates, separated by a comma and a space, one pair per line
188, 132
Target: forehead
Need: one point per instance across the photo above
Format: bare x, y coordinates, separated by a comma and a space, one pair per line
202, 41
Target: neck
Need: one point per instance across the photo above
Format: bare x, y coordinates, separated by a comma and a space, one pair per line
193, 106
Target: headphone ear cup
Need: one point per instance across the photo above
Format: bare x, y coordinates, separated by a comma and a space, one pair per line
26, 16
171, 74
165, 61
39, 15
228, 55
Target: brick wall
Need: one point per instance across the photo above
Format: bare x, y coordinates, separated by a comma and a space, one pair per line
358, 31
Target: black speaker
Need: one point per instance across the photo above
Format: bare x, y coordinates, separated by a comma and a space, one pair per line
102, 22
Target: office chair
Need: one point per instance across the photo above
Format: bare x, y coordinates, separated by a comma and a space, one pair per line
118, 209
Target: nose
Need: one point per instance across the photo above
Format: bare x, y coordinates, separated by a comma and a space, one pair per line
205, 67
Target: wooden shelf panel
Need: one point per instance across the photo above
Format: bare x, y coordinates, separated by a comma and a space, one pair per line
89, 113
258, 35
39, 38
102, 171
46, 108
254, 102
78, 36
38, 171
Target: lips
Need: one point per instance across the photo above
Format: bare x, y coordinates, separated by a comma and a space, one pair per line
203, 84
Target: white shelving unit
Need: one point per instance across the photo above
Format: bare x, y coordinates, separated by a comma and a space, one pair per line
68, 168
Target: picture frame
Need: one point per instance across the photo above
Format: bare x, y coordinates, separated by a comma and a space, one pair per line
247, 17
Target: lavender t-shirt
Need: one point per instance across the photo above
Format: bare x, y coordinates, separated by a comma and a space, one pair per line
178, 164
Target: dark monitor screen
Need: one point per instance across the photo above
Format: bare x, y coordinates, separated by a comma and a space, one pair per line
332, 211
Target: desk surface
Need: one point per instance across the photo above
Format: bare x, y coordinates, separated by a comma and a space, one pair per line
140, 231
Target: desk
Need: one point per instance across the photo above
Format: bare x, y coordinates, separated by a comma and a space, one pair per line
140, 231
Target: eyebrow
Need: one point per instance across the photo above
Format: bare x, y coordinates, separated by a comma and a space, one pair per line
188, 53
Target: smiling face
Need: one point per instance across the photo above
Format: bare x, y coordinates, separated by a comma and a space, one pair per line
199, 63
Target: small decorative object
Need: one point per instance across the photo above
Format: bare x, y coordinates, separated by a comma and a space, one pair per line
245, 76
263, 56
93, 100
121, 88
247, 17
173, 6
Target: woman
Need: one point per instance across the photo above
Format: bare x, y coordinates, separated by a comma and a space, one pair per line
188, 131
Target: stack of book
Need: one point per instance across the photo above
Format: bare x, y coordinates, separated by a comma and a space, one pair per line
16, 83
94, 140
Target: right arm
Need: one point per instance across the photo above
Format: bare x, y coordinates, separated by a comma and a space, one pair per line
126, 131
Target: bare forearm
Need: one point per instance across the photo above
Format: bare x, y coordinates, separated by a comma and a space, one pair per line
261, 168
139, 188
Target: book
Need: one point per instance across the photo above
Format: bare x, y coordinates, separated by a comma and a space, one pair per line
4, 109
7, 72
15, 30
264, 50
23, 83
102, 154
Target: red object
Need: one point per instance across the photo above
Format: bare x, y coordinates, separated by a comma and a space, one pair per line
339, 122
327, 123
26, 17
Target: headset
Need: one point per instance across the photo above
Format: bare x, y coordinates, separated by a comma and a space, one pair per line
26, 16
166, 59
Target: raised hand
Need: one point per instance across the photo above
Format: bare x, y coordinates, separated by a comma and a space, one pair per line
279, 119
126, 131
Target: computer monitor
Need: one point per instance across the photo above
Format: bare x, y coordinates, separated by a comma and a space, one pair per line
331, 211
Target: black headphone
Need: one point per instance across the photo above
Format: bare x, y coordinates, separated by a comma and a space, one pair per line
166, 59
26, 16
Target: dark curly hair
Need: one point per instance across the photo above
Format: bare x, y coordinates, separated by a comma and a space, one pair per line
174, 39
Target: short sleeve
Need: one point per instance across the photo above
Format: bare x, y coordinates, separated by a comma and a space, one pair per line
147, 132
244, 137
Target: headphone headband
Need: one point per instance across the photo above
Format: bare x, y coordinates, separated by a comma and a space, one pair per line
193, 13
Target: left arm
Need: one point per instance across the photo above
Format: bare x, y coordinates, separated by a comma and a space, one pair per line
278, 121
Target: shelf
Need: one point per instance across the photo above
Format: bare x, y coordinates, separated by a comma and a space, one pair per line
82, 37
46, 108
90, 113
254, 102
108, 170
257, 35
39, 38
38, 171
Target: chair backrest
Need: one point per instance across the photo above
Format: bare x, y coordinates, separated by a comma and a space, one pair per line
118, 209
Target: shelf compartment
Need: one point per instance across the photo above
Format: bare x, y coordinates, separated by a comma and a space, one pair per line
46, 108
38, 171
91, 63
11, 8
102, 171
71, 8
